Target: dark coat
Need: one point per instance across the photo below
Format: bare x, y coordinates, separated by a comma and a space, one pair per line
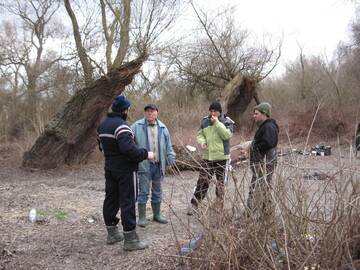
265, 141
116, 140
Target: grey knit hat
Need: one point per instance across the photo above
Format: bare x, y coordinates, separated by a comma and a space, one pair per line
264, 107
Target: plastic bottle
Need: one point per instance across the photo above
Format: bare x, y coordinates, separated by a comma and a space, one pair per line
192, 244
32, 215
274, 246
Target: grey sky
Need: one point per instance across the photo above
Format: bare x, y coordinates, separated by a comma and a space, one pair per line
318, 26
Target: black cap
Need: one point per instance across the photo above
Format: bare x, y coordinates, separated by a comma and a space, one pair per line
151, 106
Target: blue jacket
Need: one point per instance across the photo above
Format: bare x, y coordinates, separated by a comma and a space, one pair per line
166, 152
116, 141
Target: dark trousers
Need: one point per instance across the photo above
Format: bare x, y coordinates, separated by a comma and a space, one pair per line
208, 169
120, 193
259, 199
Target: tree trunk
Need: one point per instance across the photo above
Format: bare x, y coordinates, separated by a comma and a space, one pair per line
238, 94
70, 137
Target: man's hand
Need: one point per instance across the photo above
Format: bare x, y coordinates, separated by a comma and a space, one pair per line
203, 146
214, 119
151, 155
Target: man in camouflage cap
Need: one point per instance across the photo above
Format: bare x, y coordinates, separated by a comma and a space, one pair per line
263, 159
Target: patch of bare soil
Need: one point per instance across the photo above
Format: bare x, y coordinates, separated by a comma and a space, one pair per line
70, 233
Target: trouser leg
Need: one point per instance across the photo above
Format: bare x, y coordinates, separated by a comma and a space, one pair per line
255, 186
128, 195
202, 184
260, 199
144, 187
219, 168
268, 207
156, 183
111, 202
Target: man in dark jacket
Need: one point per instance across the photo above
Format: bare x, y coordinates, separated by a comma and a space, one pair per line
263, 159
122, 156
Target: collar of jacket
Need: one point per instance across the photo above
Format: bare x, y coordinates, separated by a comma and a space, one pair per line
158, 122
265, 121
117, 114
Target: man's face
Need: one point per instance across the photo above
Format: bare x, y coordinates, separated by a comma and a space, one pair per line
214, 113
151, 115
259, 117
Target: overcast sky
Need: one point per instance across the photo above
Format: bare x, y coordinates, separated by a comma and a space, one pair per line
317, 25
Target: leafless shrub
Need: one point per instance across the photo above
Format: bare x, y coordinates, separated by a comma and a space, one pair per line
316, 224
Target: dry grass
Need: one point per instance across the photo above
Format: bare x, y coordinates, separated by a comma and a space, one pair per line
316, 225
316, 222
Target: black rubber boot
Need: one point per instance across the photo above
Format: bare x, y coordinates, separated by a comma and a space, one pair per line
132, 241
114, 235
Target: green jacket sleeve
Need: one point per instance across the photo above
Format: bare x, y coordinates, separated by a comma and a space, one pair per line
223, 132
200, 138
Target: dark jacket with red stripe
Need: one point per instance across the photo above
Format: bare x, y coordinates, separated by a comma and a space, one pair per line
116, 140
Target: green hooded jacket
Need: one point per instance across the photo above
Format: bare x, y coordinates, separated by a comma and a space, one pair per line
217, 137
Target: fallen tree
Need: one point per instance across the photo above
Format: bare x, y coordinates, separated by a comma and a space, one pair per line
70, 137
189, 159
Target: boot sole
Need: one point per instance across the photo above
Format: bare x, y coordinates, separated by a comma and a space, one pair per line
113, 242
134, 249
161, 222
143, 225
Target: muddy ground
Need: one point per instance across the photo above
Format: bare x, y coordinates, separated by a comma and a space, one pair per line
70, 233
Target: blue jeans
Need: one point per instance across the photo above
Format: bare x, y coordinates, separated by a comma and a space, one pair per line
153, 178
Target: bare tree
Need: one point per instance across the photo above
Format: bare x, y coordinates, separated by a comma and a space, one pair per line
70, 135
223, 52
23, 49
85, 62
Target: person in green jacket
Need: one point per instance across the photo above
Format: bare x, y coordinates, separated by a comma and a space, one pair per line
214, 138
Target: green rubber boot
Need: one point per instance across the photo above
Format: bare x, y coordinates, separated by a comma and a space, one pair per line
114, 235
158, 217
132, 241
142, 215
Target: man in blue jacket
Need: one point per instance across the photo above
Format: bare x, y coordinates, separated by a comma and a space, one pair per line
116, 141
263, 160
152, 134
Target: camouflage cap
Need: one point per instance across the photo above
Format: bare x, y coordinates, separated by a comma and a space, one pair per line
264, 107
